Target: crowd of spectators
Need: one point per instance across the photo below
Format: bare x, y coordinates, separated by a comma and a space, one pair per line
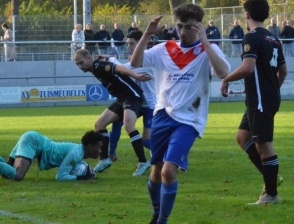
113, 42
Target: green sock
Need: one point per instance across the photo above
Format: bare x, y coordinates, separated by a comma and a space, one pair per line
7, 170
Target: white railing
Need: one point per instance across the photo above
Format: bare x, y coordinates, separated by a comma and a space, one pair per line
62, 50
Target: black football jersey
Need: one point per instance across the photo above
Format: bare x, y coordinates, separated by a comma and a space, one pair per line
118, 85
262, 87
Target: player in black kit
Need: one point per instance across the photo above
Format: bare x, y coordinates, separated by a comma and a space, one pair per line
116, 79
264, 70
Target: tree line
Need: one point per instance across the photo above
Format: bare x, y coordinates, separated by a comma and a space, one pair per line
111, 7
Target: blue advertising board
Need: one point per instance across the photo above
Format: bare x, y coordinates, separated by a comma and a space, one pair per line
96, 92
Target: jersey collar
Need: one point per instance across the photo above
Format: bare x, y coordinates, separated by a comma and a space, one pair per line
191, 45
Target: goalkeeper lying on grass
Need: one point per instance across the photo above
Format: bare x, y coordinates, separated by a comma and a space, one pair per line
67, 156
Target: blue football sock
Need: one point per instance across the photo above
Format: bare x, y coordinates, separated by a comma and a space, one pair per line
168, 196
7, 170
154, 194
146, 143
114, 136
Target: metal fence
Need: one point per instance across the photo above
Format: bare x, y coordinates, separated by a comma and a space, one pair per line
49, 38
61, 50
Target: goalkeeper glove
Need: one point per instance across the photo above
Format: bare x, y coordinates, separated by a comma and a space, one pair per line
89, 175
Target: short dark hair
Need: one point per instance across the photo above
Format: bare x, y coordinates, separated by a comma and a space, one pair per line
91, 137
135, 34
185, 12
253, 7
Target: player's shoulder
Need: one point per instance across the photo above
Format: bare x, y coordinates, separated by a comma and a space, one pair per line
253, 35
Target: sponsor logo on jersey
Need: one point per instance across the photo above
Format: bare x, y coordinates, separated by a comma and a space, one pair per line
107, 68
247, 47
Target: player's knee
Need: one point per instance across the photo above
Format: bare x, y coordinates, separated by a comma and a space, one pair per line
169, 173
155, 174
96, 126
100, 125
130, 128
242, 138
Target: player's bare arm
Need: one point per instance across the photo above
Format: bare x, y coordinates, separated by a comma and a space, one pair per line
219, 66
245, 69
125, 71
152, 28
282, 73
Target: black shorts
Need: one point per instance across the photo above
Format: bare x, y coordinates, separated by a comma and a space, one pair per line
119, 106
260, 124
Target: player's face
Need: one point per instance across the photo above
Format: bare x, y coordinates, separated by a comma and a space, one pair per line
186, 33
94, 150
131, 44
84, 63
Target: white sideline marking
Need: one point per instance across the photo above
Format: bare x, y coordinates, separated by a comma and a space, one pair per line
24, 217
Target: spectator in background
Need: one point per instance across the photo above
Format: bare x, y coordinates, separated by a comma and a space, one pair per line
78, 38
103, 38
152, 41
164, 31
118, 37
133, 27
274, 28
175, 33
287, 33
89, 36
236, 33
212, 32
10, 47
292, 44
168, 33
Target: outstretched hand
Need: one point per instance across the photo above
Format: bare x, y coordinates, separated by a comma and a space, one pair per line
153, 27
144, 77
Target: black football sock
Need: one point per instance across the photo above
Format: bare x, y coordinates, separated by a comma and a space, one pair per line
270, 174
253, 155
137, 143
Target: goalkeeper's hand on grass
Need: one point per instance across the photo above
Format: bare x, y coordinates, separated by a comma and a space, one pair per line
89, 175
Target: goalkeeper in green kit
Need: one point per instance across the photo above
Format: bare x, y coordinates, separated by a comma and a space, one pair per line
50, 154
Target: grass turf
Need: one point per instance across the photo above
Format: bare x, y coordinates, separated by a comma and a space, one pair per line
215, 189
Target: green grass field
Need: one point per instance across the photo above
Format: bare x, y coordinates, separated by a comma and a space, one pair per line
215, 189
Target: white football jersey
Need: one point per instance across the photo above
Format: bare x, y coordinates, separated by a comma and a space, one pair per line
182, 77
148, 87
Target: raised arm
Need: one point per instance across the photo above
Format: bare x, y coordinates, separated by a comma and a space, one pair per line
219, 65
152, 28
245, 69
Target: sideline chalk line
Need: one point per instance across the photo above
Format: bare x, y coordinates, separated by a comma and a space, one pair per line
24, 217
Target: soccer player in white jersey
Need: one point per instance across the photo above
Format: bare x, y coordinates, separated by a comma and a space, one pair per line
182, 76
146, 110
50, 154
